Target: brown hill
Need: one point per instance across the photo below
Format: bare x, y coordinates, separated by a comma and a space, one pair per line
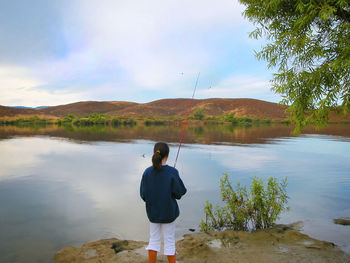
164, 108
212, 107
9, 111
86, 107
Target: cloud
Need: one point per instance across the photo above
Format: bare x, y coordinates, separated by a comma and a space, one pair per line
19, 87
153, 41
242, 86
123, 50
243, 158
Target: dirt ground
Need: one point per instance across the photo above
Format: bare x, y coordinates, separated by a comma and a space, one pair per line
280, 244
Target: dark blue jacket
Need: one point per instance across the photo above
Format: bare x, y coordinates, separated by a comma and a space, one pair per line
160, 189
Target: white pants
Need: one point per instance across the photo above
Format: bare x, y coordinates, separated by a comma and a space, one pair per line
168, 234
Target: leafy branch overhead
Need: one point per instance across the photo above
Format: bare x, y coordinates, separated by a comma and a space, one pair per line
309, 43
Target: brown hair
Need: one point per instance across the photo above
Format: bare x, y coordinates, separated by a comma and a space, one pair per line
160, 151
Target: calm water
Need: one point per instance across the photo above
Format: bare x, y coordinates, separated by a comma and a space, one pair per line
61, 187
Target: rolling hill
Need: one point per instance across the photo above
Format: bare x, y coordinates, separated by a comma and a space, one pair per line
86, 107
165, 108
212, 107
11, 111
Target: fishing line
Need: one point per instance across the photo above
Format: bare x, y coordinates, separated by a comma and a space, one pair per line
186, 120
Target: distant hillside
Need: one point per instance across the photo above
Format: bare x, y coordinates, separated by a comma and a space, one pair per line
24, 107
213, 107
21, 107
165, 108
10, 111
86, 107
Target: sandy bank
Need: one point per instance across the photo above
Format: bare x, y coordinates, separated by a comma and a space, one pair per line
280, 244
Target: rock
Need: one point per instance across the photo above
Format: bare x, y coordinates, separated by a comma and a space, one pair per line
99, 251
216, 243
119, 246
91, 253
283, 249
313, 246
275, 245
342, 221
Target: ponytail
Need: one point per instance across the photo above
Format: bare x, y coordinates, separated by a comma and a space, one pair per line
160, 151
157, 161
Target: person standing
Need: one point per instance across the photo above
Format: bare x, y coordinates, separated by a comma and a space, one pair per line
160, 186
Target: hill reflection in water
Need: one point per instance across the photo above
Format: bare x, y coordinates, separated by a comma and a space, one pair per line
203, 134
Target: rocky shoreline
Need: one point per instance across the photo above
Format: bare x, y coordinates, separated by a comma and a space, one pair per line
283, 243
342, 221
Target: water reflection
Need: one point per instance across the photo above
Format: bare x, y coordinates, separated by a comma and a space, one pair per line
61, 193
205, 134
56, 191
38, 217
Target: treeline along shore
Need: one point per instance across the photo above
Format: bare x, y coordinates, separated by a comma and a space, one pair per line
160, 112
106, 120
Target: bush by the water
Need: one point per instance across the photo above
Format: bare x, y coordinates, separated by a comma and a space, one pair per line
34, 120
247, 209
96, 119
149, 122
199, 114
231, 117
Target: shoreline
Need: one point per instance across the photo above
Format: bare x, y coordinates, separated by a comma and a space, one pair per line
282, 243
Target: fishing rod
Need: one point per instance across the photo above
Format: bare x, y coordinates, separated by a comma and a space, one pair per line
186, 120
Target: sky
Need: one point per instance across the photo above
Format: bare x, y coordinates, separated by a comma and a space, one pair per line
57, 52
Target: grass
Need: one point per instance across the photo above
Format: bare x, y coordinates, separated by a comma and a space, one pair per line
96, 119
115, 121
70, 119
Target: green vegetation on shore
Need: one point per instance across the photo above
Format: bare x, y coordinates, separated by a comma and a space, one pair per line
96, 119
199, 114
71, 119
253, 209
198, 117
230, 117
35, 120
149, 122
102, 119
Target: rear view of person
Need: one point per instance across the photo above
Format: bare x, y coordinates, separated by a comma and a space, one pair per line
160, 186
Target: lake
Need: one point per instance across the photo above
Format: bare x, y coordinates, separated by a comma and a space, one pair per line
63, 186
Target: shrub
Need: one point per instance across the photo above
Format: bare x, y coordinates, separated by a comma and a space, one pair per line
230, 117
212, 118
199, 114
96, 118
76, 122
116, 121
149, 122
84, 122
246, 120
129, 122
253, 209
69, 118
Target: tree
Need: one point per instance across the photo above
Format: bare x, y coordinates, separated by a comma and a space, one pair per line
199, 114
309, 43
